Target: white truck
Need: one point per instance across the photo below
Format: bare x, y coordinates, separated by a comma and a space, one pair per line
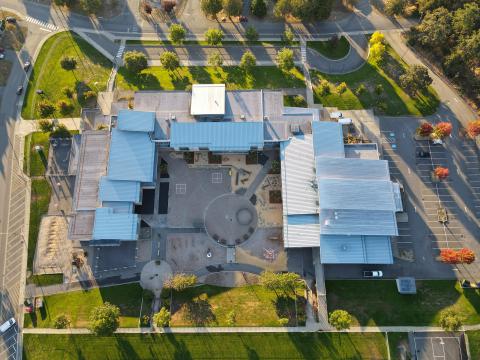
372, 274
7, 325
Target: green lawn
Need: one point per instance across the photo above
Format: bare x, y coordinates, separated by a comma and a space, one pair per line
379, 303
261, 77
45, 279
208, 305
91, 72
77, 305
35, 162
293, 346
392, 100
40, 198
395, 340
332, 52
474, 342
295, 101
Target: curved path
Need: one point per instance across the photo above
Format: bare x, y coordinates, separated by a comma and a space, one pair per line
356, 57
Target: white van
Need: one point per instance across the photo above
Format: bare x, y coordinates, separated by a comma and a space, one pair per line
336, 115
7, 325
345, 121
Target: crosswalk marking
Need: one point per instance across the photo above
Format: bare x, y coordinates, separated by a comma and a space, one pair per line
120, 51
42, 23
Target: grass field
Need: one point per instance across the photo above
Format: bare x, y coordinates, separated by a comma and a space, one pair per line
391, 98
77, 305
379, 303
35, 162
45, 279
261, 77
91, 73
293, 346
395, 340
40, 198
474, 342
332, 52
208, 305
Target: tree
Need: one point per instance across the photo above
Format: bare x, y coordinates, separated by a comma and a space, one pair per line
436, 28
450, 320
303, 9
248, 61
61, 322
473, 128
90, 6
135, 61
467, 19
270, 280
377, 37
377, 52
285, 282
181, 281
60, 132
469, 47
341, 88
395, 7
177, 33
104, 319
68, 92
465, 256
214, 36
169, 60
425, 129
340, 319
448, 256
232, 7
211, 7
441, 172
215, 60
68, 63
64, 107
285, 59
288, 36
45, 108
162, 318
251, 33
258, 8
442, 129
45, 125
416, 78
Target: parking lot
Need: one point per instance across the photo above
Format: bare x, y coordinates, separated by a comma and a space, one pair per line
438, 346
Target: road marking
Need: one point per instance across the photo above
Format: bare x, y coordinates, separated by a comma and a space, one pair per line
42, 23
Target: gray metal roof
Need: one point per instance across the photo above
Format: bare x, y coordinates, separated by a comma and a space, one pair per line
328, 139
301, 231
337, 249
299, 192
343, 168
131, 120
109, 225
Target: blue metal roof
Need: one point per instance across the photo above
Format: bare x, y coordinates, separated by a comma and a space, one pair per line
131, 120
328, 139
119, 190
109, 225
343, 249
132, 156
217, 136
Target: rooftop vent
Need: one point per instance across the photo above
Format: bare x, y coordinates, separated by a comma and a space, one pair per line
242, 117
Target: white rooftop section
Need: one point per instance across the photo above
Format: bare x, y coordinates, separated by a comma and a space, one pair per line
208, 99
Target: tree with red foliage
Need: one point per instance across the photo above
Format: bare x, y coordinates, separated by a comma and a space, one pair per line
148, 8
441, 172
425, 129
465, 256
473, 128
442, 129
449, 256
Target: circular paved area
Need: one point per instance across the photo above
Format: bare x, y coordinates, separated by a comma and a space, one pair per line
154, 275
230, 219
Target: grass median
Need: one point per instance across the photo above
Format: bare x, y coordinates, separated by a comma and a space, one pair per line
293, 346
332, 50
260, 77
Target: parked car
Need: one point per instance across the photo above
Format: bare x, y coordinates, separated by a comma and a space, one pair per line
373, 274
27, 65
423, 154
7, 325
19, 90
10, 19
336, 115
2, 56
437, 142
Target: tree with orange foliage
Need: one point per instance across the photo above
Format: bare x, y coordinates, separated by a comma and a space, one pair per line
465, 256
442, 129
441, 172
449, 256
473, 128
425, 129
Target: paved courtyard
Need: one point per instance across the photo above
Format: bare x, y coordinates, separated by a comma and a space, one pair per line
438, 346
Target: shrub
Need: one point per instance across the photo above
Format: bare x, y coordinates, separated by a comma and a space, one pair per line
211, 7
251, 33
89, 95
169, 60
258, 8
64, 108
248, 61
68, 63
45, 125
104, 319
448, 256
46, 108
283, 321
441, 172
324, 87
379, 89
340, 319
376, 38
162, 318
60, 132
361, 89
213, 36
135, 61
341, 88
395, 7
68, 92
102, 127
61, 322
177, 33
288, 36
90, 6
377, 52
232, 7
147, 8
285, 59
215, 59
442, 129
450, 320
425, 129
473, 128
465, 256
180, 282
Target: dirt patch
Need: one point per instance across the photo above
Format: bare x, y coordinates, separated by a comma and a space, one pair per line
5, 68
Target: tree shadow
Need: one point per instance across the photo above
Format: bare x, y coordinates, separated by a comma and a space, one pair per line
199, 312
